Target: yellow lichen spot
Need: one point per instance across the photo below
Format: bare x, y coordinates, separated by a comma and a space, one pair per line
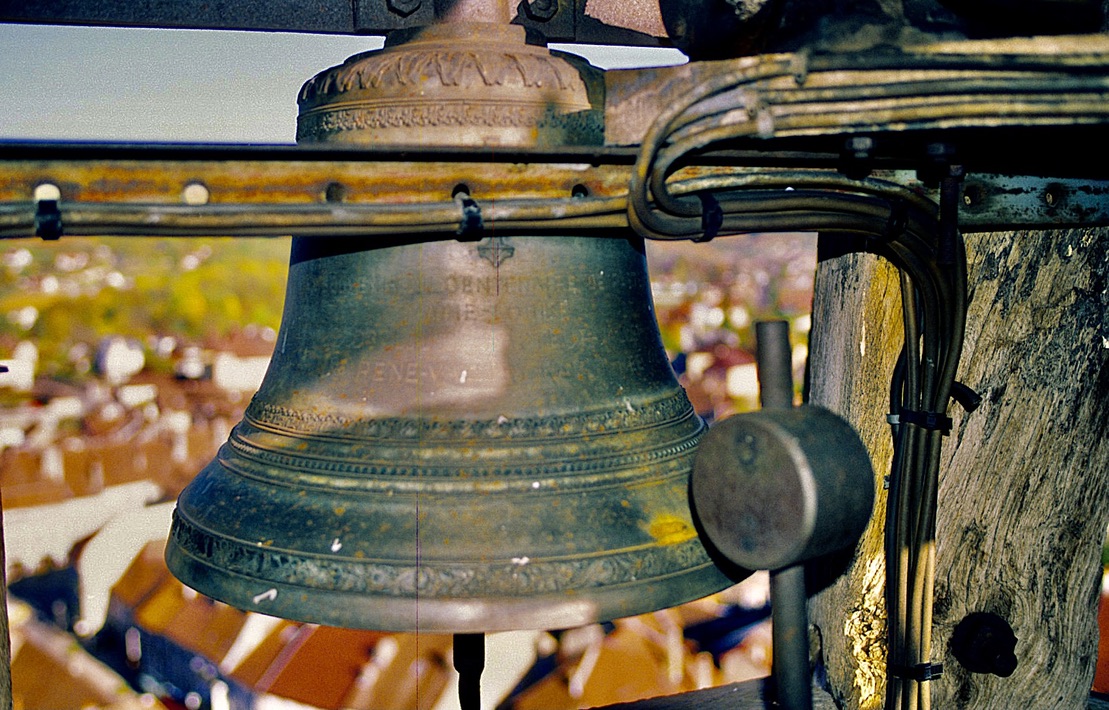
670, 530
339, 510
865, 625
626, 503
358, 554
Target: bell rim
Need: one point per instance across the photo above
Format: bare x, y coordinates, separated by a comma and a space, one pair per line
487, 614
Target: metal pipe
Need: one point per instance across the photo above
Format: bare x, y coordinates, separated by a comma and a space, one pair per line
790, 619
774, 359
789, 613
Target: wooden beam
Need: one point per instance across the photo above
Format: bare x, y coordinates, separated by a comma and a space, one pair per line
1024, 481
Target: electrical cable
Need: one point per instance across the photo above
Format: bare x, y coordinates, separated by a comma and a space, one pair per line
915, 237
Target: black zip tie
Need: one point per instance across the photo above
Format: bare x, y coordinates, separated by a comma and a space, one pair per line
933, 421
897, 221
712, 217
921, 672
470, 228
48, 220
951, 191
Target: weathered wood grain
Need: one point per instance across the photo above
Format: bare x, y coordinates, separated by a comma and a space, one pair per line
856, 336
1024, 482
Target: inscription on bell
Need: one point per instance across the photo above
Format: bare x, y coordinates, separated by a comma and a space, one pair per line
411, 373
470, 285
471, 312
493, 284
499, 284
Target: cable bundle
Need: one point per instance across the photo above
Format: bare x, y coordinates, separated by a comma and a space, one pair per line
794, 95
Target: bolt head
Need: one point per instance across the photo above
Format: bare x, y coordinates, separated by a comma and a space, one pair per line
860, 143
540, 10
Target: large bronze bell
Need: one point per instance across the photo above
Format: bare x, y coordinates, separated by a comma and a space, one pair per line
454, 437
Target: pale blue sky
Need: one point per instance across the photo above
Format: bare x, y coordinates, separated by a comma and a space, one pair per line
178, 85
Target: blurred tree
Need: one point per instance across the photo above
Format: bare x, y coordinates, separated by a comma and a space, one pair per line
73, 292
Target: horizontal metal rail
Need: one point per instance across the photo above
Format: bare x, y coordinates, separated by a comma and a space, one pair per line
565, 22
279, 196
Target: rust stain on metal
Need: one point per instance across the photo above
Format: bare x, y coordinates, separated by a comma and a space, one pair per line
670, 530
302, 182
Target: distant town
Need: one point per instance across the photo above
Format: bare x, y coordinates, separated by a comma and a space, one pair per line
125, 364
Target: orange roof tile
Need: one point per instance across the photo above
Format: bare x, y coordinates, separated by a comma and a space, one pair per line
145, 573
51, 671
158, 610
26, 495
407, 672
205, 626
252, 671
40, 681
323, 665
19, 466
193, 621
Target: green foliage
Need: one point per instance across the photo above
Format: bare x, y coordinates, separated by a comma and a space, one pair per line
87, 289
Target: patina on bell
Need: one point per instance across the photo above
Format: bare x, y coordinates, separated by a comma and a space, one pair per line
455, 436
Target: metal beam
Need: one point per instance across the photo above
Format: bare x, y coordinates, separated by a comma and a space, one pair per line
320, 16
1000, 202
167, 190
598, 22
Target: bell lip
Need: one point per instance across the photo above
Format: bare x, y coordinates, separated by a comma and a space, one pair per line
439, 615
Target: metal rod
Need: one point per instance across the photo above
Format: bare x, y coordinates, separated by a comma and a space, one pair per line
774, 360
790, 619
469, 661
788, 603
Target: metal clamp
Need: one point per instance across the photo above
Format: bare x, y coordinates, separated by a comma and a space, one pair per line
933, 421
921, 672
712, 217
48, 217
470, 227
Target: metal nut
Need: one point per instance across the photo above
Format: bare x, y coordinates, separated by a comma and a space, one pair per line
860, 145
